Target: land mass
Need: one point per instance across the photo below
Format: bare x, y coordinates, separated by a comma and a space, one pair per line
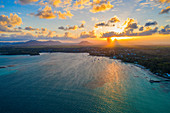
154, 58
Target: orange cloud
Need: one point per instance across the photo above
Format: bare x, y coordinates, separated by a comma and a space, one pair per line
64, 15
51, 34
90, 34
7, 23
129, 24
81, 2
46, 13
165, 10
102, 7
115, 19
128, 21
68, 35
74, 27
164, 1
55, 3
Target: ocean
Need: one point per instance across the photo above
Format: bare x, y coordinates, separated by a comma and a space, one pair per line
78, 83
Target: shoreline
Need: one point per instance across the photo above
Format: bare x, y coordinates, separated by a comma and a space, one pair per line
139, 66
154, 63
136, 65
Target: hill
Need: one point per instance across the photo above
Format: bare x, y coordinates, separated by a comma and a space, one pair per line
84, 43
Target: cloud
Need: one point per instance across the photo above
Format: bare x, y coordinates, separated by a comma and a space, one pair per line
61, 27
115, 19
7, 23
22, 36
129, 27
80, 4
148, 32
141, 28
151, 23
75, 27
101, 24
165, 30
42, 3
64, 15
45, 13
55, 3
27, 1
129, 33
31, 29
11, 21
43, 31
101, 8
7, 29
29, 36
67, 35
90, 34
164, 1
133, 26
130, 23
3, 35
163, 11
51, 34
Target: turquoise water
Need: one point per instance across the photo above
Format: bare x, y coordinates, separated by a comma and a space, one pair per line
78, 83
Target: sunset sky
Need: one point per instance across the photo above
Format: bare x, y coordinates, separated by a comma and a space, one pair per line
71, 20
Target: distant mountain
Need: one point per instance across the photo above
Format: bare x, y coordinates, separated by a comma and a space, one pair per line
42, 43
9, 43
36, 43
85, 43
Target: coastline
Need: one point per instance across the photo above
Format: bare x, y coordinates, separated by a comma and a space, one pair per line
136, 65
141, 67
140, 59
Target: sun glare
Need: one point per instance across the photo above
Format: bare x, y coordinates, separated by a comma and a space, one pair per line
119, 38
118, 30
113, 38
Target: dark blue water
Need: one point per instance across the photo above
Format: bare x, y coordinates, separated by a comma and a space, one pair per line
78, 83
